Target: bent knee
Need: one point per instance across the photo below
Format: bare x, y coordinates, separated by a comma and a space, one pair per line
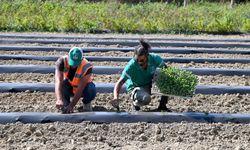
143, 99
89, 93
146, 99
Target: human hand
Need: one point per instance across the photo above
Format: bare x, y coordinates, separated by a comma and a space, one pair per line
115, 103
68, 109
59, 104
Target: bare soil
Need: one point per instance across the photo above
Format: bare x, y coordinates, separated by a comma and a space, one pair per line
49, 78
132, 136
109, 63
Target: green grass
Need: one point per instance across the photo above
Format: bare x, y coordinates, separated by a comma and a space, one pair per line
73, 16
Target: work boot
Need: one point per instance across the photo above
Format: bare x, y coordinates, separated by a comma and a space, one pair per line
163, 109
87, 107
135, 108
163, 102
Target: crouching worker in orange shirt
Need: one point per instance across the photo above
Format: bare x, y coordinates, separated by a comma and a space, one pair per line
73, 79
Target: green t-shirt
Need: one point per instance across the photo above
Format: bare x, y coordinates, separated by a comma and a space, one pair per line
135, 76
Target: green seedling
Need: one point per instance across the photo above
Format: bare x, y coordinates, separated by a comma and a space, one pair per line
173, 81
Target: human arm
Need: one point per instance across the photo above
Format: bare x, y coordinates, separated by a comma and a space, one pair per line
115, 102
58, 84
118, 87
159, 61
126, 74
58, 88
159, 64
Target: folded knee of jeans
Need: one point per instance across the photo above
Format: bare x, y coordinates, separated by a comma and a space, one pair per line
142, 100
88, 98
146, 99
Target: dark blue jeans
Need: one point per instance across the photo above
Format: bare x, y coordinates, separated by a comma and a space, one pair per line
88, 93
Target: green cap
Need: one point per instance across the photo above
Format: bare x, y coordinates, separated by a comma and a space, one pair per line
75, 56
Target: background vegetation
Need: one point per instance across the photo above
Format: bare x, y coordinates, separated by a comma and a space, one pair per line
113, 16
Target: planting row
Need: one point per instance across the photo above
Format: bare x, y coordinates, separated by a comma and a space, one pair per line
45, 102
49, 78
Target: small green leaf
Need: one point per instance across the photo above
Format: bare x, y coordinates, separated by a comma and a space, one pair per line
173, 81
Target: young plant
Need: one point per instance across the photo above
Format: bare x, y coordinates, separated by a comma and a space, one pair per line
173, 81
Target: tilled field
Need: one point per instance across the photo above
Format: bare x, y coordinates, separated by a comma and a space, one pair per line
109, 63
88, 135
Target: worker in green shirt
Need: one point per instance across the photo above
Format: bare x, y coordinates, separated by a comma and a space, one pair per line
138, 75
